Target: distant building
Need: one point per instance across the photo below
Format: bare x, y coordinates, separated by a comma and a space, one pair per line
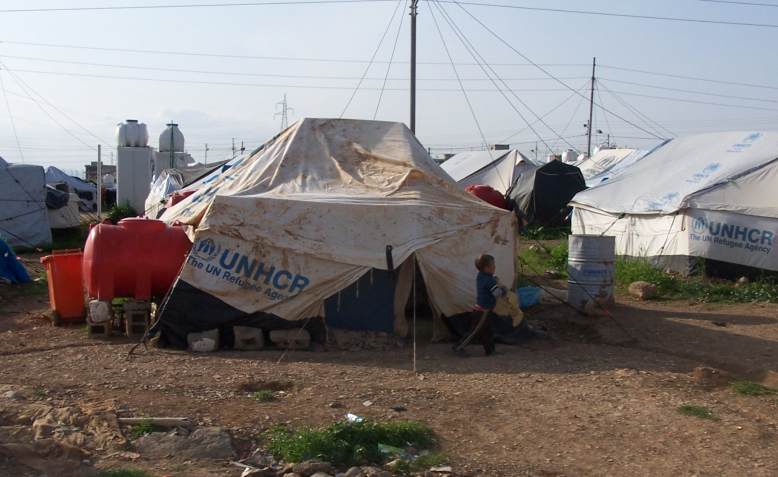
91, 171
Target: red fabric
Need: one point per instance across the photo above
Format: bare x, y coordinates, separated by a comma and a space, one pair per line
488, 194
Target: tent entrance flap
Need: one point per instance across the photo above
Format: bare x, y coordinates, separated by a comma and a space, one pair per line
365, 305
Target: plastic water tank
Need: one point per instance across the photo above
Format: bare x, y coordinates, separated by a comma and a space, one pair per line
131, 133
109, 182
488, 194
569, 156
137, 258
171, 139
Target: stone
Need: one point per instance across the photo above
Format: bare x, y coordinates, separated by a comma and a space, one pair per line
202, 443
706, 376
296, 338
311, 467
399, 408
204, 342
248, 338
335, 405
13, 395
443, 469
742, 281
642, 290
354, 472
375, 472
292, 474
553, 275
321, 474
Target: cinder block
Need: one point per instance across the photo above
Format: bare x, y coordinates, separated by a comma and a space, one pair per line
296, 338
248, 338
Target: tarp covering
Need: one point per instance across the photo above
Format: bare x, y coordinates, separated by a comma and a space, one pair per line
540, 196
498, 169
86, 191
708, 195
11, 269
67, 216
320, 206
608, 163
23, 214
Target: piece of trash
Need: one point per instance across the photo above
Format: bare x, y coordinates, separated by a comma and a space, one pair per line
354, 418
444, 469
399, 408
367, 403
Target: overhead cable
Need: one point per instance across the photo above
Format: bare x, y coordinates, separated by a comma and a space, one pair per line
391, 57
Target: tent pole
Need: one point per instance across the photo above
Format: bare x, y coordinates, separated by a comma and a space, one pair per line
414, 7
591, 111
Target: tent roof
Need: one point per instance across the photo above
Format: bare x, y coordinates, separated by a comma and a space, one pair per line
686, 169
54, 174
464, 164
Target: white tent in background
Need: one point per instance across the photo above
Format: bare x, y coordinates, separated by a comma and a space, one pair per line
24, 220
86, 191
498, 169
326, 206
607, 163
708, 195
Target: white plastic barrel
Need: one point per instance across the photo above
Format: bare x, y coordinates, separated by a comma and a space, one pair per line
590, 269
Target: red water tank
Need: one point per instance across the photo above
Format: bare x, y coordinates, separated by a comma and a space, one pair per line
488, 194
137, 258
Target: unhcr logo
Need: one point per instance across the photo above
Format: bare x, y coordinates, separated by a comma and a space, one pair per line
745, 143
207, 249
731, 235
244, 271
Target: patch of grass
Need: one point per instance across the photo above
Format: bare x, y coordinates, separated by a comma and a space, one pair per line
348, 443
124, 473
694, 410
539, 232
40, 392
538, 259
421, 463
697, 288
140, 430
72, 238
265, 395
749, 388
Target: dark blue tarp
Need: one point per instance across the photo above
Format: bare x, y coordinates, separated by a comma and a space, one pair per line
11, 269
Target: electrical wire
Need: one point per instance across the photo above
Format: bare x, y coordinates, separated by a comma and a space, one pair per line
372, 58
464, 92
549, 112
539, 67
657, 126
614, 14
694, 101
479, 58
11, 117
681, 90
695, 78
24, 84
185, 5
605, 115
748, 4
391, 57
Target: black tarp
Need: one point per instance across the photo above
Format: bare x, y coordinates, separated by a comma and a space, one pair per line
540, 196
55, 198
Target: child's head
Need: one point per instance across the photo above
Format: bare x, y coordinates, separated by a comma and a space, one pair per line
485, 263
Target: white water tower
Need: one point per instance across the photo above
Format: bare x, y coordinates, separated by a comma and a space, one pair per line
133, 164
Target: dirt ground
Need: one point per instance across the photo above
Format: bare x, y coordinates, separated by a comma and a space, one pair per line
599, 398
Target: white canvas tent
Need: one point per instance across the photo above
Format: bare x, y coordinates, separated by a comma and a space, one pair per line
709, 195
498, 169
607, 163
323, 204
23, 214
67, 216
86, 191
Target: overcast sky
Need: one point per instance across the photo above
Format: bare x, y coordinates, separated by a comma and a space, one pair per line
214, 98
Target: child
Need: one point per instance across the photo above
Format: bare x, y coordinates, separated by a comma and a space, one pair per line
487, 291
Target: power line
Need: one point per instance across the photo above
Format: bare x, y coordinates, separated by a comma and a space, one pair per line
250, 57
703, 93
478, 57
539, 67
748, 4
651, 123
462, 87
11, 117
696, 78
389, 66
614, 14
694, 101
372, 58
185, 5
544, 116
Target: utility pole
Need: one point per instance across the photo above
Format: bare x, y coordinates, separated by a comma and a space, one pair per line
414, 10
206, 153
242, 148
99, 182
233, 147
591, 110
284, 112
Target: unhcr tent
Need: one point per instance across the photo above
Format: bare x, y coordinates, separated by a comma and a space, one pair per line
62, 208
541, 195
23, 215
86, 191
326, 220
498, 169
708, 195
607, 163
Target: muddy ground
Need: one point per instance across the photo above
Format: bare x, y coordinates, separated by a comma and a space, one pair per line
599, 398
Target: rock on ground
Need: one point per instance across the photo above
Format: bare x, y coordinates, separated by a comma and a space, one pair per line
642, 290
202, 443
